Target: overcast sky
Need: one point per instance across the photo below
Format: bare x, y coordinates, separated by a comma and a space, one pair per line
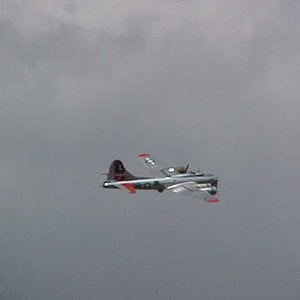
210, 83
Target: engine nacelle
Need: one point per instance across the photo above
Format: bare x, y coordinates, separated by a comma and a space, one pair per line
211, 190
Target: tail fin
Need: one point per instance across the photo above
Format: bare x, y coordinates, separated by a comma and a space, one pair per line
117, 172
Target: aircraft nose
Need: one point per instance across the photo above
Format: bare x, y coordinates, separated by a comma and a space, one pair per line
214, 182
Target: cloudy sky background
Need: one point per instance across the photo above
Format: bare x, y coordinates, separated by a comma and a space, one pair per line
210, 83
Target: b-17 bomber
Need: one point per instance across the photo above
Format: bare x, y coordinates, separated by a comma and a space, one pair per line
175, 179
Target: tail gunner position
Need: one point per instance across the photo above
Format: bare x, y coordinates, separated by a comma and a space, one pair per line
176, 179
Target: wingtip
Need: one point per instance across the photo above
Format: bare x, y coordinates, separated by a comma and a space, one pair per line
143, 155
212, 200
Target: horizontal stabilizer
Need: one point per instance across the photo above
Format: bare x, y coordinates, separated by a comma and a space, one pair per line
129, 187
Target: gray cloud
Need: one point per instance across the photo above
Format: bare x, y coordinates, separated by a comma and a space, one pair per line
211, 83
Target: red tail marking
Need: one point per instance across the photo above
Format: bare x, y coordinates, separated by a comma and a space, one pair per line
212, 200
144, 155
129, 187
119, 176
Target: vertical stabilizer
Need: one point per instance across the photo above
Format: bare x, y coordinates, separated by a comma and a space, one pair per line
117, 172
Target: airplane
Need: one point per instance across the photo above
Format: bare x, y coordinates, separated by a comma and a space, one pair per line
175, 179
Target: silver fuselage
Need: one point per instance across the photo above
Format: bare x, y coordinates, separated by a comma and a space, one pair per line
163, 182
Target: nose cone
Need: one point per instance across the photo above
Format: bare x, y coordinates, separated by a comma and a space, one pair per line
214, 181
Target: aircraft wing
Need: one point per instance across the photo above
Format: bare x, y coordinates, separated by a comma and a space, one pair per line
193, 189
159, 169
155, 166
